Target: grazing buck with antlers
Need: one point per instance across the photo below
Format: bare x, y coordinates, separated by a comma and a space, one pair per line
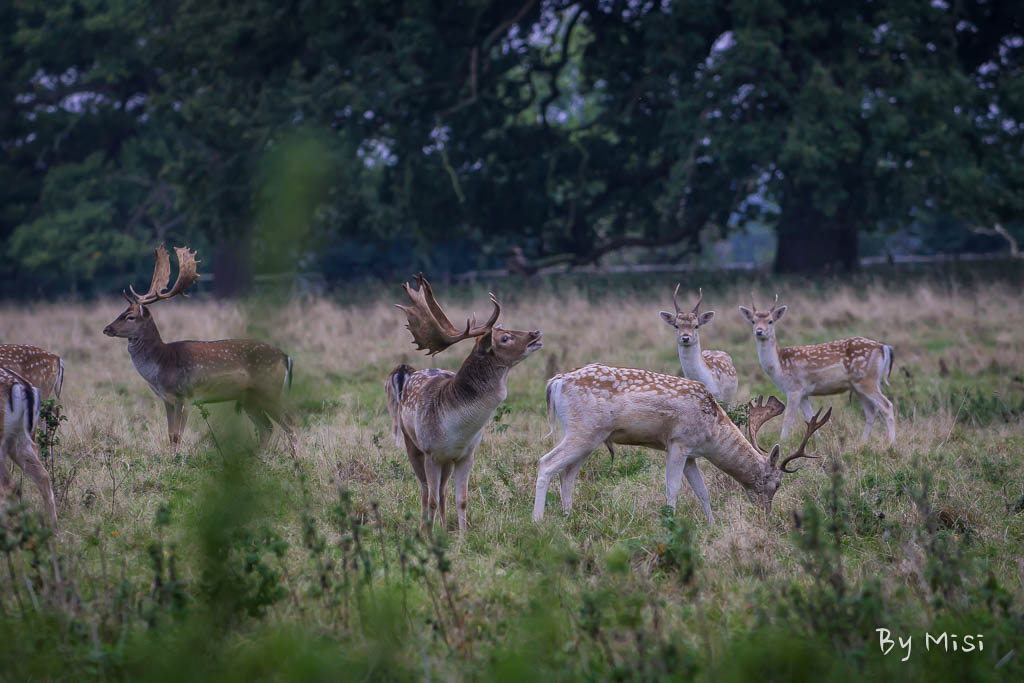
597, 403
713, 368
252, 373
19, 414
439, 415
43, 369
858, 364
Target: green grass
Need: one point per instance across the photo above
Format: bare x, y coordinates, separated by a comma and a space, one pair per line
220, 563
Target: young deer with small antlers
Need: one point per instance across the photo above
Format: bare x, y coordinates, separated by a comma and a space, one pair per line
252, 373
858, 364
439, 415
713, 368
43, 369
19, 414
632, 407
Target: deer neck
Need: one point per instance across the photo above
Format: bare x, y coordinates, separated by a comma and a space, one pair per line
733, 454
768, 354
691, 358
148, 350
481, 381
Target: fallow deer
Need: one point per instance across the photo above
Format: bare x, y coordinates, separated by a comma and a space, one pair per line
19, 414
439, 415
713, 368
43, 369
597, 403
858, 364
181, 372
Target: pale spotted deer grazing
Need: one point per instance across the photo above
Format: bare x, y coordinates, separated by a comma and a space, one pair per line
19, 414
597, 403
438, 415
858, 364
182, 372
41, 368
712, 368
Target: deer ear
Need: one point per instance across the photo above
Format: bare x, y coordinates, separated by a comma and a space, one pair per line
773, 457
706, 317
668, 318
748, 314
778, 313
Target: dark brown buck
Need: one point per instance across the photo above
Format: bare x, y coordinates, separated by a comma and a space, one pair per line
41, 368
439, 415
182, 372
19, 413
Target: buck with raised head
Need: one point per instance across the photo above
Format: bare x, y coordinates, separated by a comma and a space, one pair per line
598, 403
858, 364
439, 415
19, 414
181, 372
713, 368
41, 368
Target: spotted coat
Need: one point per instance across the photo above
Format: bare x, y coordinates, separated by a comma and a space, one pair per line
43, 369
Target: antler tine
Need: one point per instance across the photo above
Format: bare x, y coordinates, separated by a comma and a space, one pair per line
161, 276
753, 304
700, 298
675, 298
775, 305
813, 425
758, 413
431, 329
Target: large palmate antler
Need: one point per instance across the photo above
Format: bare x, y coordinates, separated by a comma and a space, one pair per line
813, 425
187, 276
431, 330
759, 412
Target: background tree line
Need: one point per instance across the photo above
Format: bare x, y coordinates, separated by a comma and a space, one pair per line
367, 138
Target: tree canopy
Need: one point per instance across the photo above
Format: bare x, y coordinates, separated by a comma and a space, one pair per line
367, 137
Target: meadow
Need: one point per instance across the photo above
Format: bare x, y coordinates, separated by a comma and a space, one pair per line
219, 562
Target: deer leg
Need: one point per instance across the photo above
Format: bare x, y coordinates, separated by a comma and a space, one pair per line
272, 407
675, 462
462, 469
172, 424
559, 459
259, 417
25, 455
884, 406
696, 481
792, 406
433, 472
808, 410
870, 409
567, 481
416, 460
446, 473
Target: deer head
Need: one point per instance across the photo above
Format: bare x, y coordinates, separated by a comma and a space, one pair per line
136, 317
763, 321
686, 323
773, 470
433, 332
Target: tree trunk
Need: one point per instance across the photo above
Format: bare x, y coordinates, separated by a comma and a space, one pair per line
811, 242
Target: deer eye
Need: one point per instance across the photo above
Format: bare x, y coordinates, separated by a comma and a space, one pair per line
129, 317
505, 338
771, 322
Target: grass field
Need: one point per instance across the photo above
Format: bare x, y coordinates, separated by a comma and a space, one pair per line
221, 563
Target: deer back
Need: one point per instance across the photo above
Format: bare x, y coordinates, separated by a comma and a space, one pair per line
41, 368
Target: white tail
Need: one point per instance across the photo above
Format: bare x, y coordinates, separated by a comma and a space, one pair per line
599, 404
859, 365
